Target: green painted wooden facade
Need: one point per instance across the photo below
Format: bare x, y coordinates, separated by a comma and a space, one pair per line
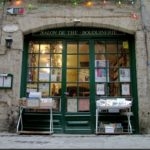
77, 122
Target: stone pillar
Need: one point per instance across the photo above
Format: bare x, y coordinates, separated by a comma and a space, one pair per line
142, 80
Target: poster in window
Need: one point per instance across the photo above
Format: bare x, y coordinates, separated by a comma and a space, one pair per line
100, 63
100, 89
72, 105
100, 75
124, 74
83, 105
125, 88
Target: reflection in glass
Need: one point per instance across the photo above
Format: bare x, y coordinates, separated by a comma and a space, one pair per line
72, 75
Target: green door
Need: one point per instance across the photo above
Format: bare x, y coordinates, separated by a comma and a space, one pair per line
76, 87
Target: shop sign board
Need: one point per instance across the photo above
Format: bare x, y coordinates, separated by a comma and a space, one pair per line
15, 11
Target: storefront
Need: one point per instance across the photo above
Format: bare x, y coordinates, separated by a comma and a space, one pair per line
77, 66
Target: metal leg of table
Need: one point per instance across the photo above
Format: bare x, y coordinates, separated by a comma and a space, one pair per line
20, 119
51, 121
129, 122
96, 121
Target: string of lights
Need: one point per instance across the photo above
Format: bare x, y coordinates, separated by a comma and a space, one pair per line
75, 3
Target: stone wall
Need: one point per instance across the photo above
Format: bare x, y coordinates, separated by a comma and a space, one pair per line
39, 16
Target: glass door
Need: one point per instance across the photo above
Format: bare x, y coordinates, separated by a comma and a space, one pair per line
77, 88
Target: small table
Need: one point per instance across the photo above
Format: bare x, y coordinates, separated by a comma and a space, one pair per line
20, 120
127, 112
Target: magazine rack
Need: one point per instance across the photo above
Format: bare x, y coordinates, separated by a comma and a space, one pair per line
20, 128
113, 104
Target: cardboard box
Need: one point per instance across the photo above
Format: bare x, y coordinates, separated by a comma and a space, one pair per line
109, 129
33, 102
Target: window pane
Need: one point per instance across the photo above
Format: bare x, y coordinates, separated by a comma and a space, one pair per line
72, 75
55, 75
56, 60
83, 47
33, 60
44, 60
111, 47
44, 48
114, 89
72, 90
44, 89
100, 47
33, 48
71, 48
83, 75
44, 74
84, 60
83, 89
72, 61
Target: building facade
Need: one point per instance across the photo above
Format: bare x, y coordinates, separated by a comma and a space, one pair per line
75, 52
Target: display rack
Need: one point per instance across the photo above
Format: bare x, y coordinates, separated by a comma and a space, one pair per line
115, 110
35, 106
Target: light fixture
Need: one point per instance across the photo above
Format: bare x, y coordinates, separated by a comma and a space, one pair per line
76, 21
8, 41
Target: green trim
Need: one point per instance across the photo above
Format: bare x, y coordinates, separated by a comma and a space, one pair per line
60, 123
24, 69
134, 85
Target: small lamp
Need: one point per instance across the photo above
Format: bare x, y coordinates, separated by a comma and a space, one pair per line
8, 41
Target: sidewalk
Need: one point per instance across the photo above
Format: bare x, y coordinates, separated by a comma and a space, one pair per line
65, 141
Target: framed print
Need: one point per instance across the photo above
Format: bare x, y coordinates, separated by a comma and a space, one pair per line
124, 74
101, 63
83, 105
6, 80
100, 75
72, 105
125, 88
100, 89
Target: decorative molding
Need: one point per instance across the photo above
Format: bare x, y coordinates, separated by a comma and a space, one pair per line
10, 28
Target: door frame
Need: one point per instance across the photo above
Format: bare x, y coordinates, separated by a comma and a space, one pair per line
99, 35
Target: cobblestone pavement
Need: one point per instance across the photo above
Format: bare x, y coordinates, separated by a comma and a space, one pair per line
65, 141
